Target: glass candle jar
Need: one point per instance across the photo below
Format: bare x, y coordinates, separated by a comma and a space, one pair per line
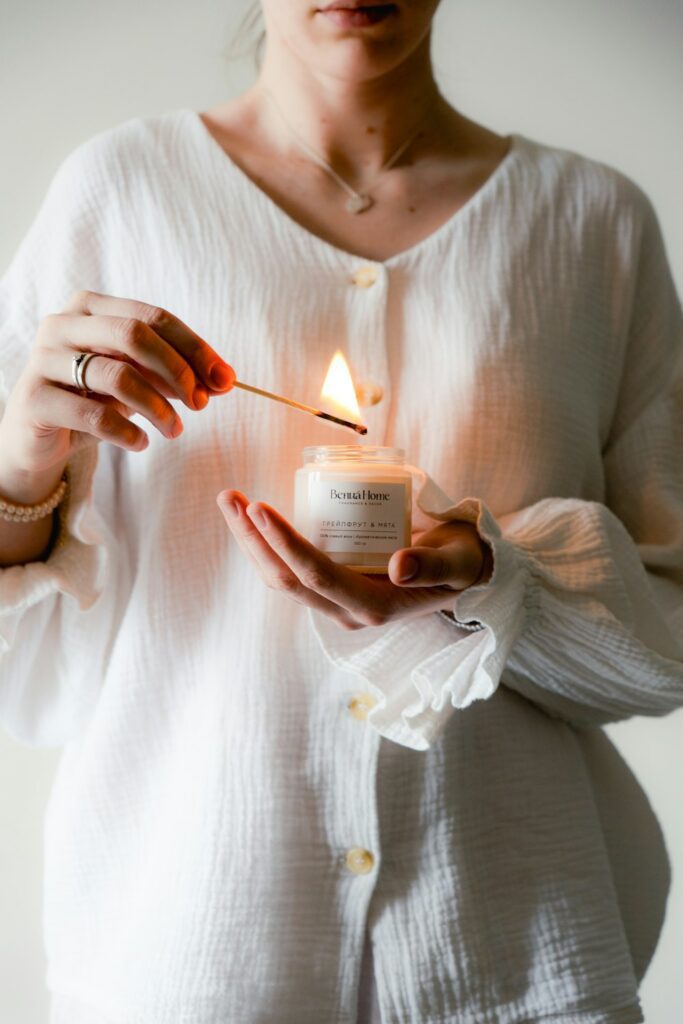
354, 503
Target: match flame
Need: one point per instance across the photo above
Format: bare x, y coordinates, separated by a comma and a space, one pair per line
338, 390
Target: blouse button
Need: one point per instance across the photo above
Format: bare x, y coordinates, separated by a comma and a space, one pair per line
359, 861
368, 393
361, 704
365, 276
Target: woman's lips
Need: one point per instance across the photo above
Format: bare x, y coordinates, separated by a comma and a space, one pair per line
354, 16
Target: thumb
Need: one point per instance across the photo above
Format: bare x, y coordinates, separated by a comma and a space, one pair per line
456, 565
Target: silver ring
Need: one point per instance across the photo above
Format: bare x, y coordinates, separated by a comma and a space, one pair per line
78, 365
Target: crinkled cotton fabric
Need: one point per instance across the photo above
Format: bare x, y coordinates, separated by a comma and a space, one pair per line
212, 776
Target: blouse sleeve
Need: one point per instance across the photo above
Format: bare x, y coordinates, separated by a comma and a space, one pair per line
48, 682
583, 613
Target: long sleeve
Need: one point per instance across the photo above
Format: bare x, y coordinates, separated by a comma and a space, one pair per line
45, 693
584, 611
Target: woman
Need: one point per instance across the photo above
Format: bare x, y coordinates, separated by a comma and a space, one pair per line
232, 835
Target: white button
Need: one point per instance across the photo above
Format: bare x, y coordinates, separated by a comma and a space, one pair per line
365, 276
359, 861
360, 704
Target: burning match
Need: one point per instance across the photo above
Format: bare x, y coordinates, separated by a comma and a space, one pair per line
358, 427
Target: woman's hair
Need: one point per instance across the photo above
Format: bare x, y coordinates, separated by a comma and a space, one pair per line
249, 37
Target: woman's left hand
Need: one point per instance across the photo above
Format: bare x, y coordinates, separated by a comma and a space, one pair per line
446, 560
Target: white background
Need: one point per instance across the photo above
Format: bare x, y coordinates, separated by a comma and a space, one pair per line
602, 77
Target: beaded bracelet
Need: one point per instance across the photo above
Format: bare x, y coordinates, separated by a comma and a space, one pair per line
12, 513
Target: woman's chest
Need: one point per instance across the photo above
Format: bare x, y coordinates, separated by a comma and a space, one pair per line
391, 213
494, 369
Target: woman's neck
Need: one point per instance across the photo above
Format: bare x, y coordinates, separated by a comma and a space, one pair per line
355, 126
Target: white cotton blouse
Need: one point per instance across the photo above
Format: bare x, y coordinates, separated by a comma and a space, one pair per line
214, 778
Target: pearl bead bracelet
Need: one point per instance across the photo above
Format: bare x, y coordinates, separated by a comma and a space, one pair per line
30, 513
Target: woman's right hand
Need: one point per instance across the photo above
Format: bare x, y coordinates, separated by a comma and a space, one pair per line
144, 356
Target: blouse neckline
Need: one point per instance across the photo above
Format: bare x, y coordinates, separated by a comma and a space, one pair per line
224, 162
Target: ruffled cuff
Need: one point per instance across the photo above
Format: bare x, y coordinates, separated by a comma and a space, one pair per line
78, 560
421, 670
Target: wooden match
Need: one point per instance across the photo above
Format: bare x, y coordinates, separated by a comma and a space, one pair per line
358, 427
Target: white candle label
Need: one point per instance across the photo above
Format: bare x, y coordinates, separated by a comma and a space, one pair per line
349, 516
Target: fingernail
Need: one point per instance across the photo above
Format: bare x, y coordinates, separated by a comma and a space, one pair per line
409, 569
230, 507
199, 397
220, 375
258, 518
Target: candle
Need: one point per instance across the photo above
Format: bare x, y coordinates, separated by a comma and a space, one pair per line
354, 503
